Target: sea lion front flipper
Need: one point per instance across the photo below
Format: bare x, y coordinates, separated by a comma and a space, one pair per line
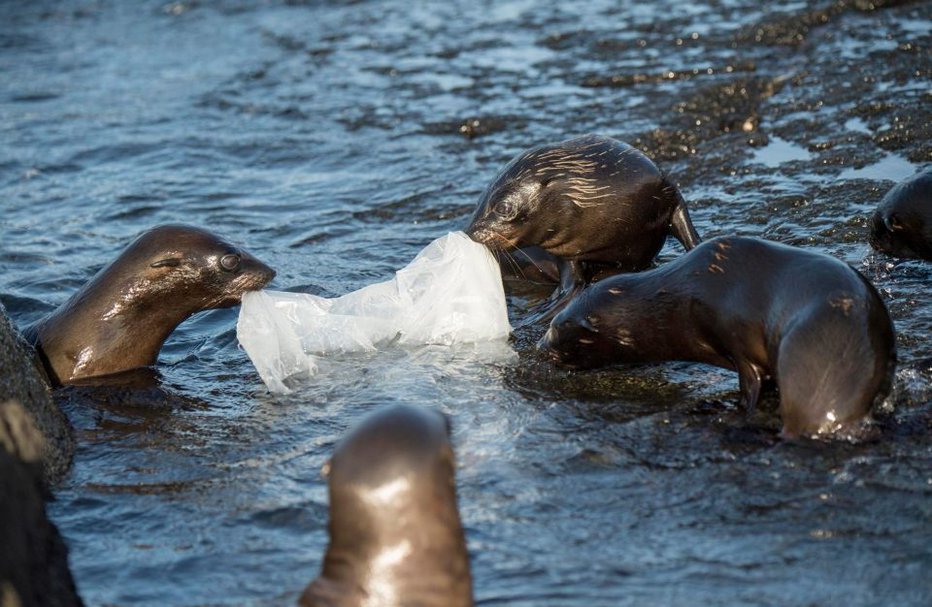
572, 278
681, 226
749, 383
572, 282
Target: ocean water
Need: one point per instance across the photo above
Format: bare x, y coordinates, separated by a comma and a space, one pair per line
334, 140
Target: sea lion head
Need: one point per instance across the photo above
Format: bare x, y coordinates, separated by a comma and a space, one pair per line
591, 199
544, 196
594, 329
395, 531
902, 224
119, 320
198, 269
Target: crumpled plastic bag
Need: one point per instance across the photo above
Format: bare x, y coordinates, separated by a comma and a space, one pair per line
451, 293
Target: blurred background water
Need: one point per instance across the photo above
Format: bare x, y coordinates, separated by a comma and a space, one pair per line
336, 139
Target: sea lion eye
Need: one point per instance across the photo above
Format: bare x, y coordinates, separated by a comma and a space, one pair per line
168, 262
509, 209
230, 262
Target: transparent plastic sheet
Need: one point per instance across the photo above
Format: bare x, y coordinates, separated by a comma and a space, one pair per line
451, 293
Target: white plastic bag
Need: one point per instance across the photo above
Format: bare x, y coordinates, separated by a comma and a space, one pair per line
450, 293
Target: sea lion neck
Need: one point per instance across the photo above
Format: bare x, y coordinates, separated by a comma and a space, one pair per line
128, 324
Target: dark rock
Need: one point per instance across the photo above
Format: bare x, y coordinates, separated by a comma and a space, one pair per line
728, 111
33, 558
22, 380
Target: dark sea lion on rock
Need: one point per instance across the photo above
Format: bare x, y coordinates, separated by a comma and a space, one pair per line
395, 532
766, 310
902, 224
121, 318
594, 202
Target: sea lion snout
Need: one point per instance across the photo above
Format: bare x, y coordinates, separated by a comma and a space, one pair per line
494, 233
263, 273
570, 343
479, 231
544, 346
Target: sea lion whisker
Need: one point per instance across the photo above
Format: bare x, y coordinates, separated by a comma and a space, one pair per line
513, 263
532, 262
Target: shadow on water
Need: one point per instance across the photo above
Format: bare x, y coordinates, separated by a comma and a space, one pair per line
335, 140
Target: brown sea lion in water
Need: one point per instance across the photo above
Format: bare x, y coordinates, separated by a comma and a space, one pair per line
902, 224
593, 202
119, 320
766, 310
395, 532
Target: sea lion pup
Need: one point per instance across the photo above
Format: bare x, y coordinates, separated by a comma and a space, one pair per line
766, 310
594, 202
395, 532
902, 224
119, 320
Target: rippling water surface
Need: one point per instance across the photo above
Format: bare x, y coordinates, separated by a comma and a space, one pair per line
335, 140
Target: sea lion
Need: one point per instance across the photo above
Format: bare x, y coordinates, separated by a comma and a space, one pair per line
119, 320
902, 224
593, 202
395, 531
766, 310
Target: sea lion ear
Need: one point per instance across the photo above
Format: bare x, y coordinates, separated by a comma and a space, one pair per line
168, 262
